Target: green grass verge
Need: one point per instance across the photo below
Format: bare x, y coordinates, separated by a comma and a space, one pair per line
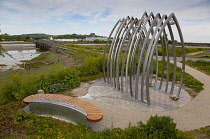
202, 133
179, 51
200, 65
200, 55
84, 47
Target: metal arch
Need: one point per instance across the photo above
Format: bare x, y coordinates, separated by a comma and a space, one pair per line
151, 31
147, 60
139, 33
141, 55
114, 51
118, 47
123, 38
124, 57
109, 77
126, 53
107, 43
153, 45
183, 53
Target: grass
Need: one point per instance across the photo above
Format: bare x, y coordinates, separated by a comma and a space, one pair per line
189, 81
84, 47
54, 79
15, 124
200, 55
200, 65
192, 50
179, 51
199, 133
50, 57
205, 56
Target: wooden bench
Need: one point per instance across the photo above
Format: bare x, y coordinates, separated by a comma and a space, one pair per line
94, 114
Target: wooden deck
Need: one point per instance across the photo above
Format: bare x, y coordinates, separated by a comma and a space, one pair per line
94, 114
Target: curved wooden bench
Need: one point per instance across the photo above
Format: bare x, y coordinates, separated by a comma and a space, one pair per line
94, 114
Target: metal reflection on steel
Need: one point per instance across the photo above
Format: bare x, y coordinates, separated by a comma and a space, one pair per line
139, 56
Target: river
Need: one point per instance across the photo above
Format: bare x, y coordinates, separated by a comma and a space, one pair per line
19, 52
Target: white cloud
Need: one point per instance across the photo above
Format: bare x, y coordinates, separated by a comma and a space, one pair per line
99, 16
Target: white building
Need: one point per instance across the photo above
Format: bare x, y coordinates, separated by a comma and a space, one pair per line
50, 38
90, 39
68, 40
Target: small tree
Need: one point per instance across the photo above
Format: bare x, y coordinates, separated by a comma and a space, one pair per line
1, 37
3, 52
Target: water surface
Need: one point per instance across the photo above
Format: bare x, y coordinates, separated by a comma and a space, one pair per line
19, 52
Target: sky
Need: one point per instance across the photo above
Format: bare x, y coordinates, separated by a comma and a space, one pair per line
57, 17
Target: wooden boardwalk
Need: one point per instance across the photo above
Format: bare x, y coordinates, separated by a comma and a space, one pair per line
94, 114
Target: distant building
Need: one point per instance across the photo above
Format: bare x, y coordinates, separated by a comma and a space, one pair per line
50, 38
90, 39
92, 34
68, 40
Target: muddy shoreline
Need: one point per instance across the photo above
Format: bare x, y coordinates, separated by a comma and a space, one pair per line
10, 47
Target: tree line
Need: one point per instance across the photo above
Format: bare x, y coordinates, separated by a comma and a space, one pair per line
32, 37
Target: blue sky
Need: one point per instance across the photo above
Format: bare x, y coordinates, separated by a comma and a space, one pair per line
99, 16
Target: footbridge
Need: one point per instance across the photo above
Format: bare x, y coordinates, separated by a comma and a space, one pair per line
45, 45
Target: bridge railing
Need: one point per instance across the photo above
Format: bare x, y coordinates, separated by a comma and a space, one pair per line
45, 45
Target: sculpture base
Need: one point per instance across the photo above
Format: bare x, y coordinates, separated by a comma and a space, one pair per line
160, 101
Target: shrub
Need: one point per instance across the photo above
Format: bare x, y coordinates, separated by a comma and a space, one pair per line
56, 80
72, 78
58, 87
18, 87
91, 66
160, 127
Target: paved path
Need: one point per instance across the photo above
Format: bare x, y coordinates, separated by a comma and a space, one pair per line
194, 115
186, 58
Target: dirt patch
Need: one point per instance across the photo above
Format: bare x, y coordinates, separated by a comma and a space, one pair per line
68, 59
19, 46
190, 91
194, 53
81, 90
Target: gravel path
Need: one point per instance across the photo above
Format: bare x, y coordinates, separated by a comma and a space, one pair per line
194, 115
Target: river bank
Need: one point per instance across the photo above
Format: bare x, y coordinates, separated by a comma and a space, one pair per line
9, 47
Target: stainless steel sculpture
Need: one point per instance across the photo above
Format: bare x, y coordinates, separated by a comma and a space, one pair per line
130, 63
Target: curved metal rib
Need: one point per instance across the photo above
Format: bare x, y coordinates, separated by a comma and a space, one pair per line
104, 56
136, 62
